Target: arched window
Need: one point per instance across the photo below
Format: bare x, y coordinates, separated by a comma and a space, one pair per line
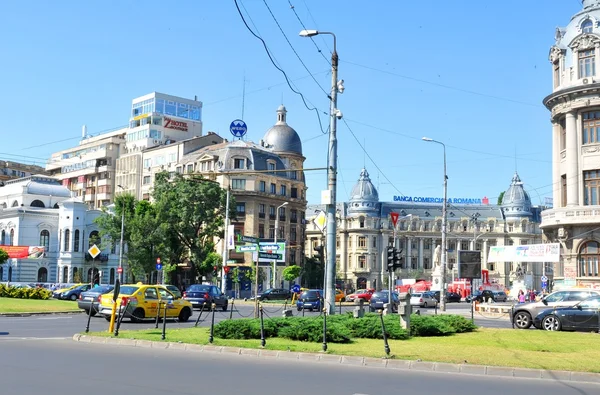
94, 238
67, 240
15, 204
37, 203
55, 205
111, 279
588, 259
587, 26
42, 276
3, 238
361, 222
76, 241
76, 276
10, 273
1, 273
45, 239
12, 237
65, 276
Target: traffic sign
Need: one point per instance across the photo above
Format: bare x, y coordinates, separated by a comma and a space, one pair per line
248, 239
119, 270
245, 248
238, 128
395, 217
266, 255
269, 247
544, 279
94, 251
158, 264
230, 261
295, 288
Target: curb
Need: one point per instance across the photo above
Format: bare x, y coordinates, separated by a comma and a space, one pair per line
481, 370
39, 313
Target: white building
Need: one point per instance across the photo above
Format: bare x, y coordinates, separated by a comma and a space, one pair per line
39, 211
575, 113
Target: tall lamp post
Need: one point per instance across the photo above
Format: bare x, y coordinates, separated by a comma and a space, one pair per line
334, 114
120, 269
273, 277
444, 228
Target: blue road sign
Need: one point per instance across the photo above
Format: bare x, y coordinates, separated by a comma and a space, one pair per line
159, 266
296, 288
238, 128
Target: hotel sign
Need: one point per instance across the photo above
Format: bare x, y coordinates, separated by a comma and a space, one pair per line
177, 125
424, 199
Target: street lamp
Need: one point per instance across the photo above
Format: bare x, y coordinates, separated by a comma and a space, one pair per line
444, 228
334, 114
275, 242
120, 270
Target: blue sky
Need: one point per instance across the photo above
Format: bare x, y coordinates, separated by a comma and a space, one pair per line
471, 74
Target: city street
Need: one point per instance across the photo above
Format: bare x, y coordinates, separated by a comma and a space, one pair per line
96, 369
65, 325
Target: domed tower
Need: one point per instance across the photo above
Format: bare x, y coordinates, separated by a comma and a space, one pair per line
364, 198
283, 140
516, 202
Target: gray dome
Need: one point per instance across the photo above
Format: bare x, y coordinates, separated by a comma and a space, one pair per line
282, 137
47, 187
364, 190
516, 202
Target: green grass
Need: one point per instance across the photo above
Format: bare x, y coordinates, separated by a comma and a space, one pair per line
534, 349
12, 305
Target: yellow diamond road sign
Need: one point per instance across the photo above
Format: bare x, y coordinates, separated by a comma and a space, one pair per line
94, 251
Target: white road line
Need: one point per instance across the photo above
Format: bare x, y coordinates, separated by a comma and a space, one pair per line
53, 318
32, 338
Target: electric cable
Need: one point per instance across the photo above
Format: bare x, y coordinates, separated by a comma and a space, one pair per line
304, 27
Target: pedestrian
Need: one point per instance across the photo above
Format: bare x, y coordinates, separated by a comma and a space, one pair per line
521, 296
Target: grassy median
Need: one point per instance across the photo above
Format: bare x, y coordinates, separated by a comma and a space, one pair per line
534, 349
13, 305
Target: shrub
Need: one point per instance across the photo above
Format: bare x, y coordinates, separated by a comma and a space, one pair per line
458, 323
311, 329
429, 325
7, 291
247, 328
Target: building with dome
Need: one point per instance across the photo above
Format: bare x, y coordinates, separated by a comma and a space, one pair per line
575, 114
38, 212
365, 230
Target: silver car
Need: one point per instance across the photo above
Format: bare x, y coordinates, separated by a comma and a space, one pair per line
500, 296
423, 299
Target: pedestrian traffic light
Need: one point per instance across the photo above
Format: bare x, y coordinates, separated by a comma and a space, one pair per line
390, 257
397, 259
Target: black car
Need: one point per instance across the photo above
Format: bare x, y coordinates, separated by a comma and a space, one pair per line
481, 296
200, 295
92, 297
310, 299
450, 297
73, 294
580, 317
275, 294
379, 298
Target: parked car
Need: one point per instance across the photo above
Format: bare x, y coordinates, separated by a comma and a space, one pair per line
144, 301
500, 296
423, 299
310, 299
72, 293
379, 298
525, 312
340, 296
581, 316
60, 291
484, 296
275, 294
91, 298
450, 297
205, 294
364, 294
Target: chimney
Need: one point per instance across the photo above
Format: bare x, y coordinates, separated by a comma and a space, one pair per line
83, 131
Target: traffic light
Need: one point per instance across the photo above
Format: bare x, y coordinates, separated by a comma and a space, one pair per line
397, 259
320, 255
215, 270
390, 258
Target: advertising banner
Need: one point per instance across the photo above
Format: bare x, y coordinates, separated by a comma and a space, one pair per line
24, 252
549, 252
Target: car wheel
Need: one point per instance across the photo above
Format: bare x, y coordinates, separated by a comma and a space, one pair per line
522, 320
185, 314
551, 323
225, 307
137, 315
425, 304
73, 297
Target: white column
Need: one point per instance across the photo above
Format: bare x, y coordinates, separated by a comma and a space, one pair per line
408, 253
596, 58
420, 259
572, 160
556, 190
434, 244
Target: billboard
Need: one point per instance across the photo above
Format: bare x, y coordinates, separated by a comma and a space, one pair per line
549, 252
469, 264
24, 252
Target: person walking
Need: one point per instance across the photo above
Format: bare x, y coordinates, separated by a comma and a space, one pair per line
521, 296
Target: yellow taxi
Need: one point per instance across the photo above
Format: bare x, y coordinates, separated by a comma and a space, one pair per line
340, 296
144, 301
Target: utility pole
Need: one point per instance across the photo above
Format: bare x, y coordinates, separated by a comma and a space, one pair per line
225, 252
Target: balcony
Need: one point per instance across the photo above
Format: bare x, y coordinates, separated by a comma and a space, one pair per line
261, 215
282, 218
271, 216
585, 215
294, 220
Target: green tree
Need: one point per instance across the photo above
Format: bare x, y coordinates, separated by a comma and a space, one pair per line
191, 213
500, 197
312, 274
212, 260
3, 256
291, 272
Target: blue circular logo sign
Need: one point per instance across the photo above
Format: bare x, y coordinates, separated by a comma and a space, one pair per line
295, 288
158, 266
238, 128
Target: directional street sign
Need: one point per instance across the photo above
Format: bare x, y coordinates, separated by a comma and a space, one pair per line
230, 261
248, 239
269, 247
245, 248
266, 255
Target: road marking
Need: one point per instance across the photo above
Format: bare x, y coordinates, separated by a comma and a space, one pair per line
53, 318
32, 338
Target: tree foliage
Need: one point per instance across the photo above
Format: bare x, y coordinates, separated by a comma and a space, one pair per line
3, 256
500, 197
291, 272
312, 275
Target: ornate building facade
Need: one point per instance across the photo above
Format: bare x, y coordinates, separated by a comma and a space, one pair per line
365, 230
575, 114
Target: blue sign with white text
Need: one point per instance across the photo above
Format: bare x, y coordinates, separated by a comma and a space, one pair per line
238, 128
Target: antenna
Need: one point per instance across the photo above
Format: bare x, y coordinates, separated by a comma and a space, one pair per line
364, 153
515, 158
243, 95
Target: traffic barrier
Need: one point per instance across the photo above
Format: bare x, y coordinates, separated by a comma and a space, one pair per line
164, 329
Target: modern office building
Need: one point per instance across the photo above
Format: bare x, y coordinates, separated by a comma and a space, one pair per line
575, 114
365, 230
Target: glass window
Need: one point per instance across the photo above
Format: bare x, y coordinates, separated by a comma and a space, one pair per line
67, 240
44, 239
190, 168
262, 186
587, 26
241, 208
282, 190
273, 188
159, 106
239, 163
588, 259
591, 186
294, 193
271, 165
587, 63
172, 158
76, 241
238, 184
293, 234
362, 242
261, 208
591, 125
170, 108
147, 180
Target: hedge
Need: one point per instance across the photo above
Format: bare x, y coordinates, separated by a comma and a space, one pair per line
9, 291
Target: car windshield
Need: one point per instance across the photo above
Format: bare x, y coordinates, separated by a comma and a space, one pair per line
198, 288
102, 289
128, 290
309, 294
380, 294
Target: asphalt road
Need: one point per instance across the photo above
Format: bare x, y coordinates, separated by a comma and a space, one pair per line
63, 367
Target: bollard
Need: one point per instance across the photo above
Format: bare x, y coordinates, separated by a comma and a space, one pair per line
263, 342
303, 311
157, 315
87, 327
164, 320
231, 309
473, 312
212, 324
199, 315
385, 340
324, 329
120, 318
340, 306
435, 308
285, 304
